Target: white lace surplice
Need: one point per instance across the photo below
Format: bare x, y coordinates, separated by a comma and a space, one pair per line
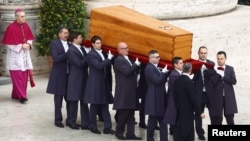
17, 58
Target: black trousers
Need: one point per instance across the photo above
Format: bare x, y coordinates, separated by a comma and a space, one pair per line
217, 120
58, 100
84, 111
126, 117
152, 123
142, 111
85, 119
105, 113
198, 121
188, 137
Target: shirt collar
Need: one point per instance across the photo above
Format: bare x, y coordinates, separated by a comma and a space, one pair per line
190, 76
99, 51
156, 65
180, 72
126, 57
203, 61
78, 46
64, 42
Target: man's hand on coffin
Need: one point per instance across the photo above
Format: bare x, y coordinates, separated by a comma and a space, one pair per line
165, 69
110, 55
137, 62
87, 49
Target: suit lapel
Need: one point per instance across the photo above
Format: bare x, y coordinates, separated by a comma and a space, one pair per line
155, 68
77, 50
61, 47
128, 64
95, 53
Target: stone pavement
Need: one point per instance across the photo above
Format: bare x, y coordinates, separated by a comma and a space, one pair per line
34, 120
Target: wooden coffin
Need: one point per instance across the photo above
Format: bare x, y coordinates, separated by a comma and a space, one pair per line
141, 32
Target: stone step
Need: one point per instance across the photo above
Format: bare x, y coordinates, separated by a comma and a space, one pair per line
5, 80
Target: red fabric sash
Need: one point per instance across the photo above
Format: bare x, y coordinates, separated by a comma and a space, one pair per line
32, 82
196, 64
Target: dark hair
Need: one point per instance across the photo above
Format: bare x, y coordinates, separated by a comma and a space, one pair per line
187, 67
73, 35
60, 29
175, 60
95, 38
222, 52
152, 52
202, 47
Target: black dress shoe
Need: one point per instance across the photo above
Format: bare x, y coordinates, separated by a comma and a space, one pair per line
120, 137
74, 126
108, 131
157, 128
202, 137
78, 125
96, 131
100, 119
59, 124
133, 138
85, 128
23, 100
143, 125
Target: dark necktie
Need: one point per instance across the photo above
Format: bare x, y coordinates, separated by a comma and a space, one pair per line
83, 51
220, 68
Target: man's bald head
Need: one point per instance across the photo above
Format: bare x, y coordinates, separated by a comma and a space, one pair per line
122, 48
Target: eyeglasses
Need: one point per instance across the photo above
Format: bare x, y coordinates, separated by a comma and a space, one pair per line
157, 57
124, 48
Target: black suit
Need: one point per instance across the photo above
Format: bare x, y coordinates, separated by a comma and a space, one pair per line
57, 83
203, 90
186, 104
97, 92
125, 100
109, 78
170, 114
223, 99
155, 101
78, 74
141, 92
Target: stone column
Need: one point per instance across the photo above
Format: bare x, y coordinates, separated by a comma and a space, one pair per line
31, 8
170, 9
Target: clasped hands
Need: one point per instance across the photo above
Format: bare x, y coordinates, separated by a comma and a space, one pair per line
26, 46
220, 72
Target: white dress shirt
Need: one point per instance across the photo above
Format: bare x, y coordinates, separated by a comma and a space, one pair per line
78, 47
65, 45
100, 53
126, 57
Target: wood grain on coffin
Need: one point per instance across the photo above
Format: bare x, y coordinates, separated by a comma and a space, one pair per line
141, 32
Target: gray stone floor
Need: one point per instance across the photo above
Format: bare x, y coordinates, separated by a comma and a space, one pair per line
34, 120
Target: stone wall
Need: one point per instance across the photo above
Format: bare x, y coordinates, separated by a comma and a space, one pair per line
170, 9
